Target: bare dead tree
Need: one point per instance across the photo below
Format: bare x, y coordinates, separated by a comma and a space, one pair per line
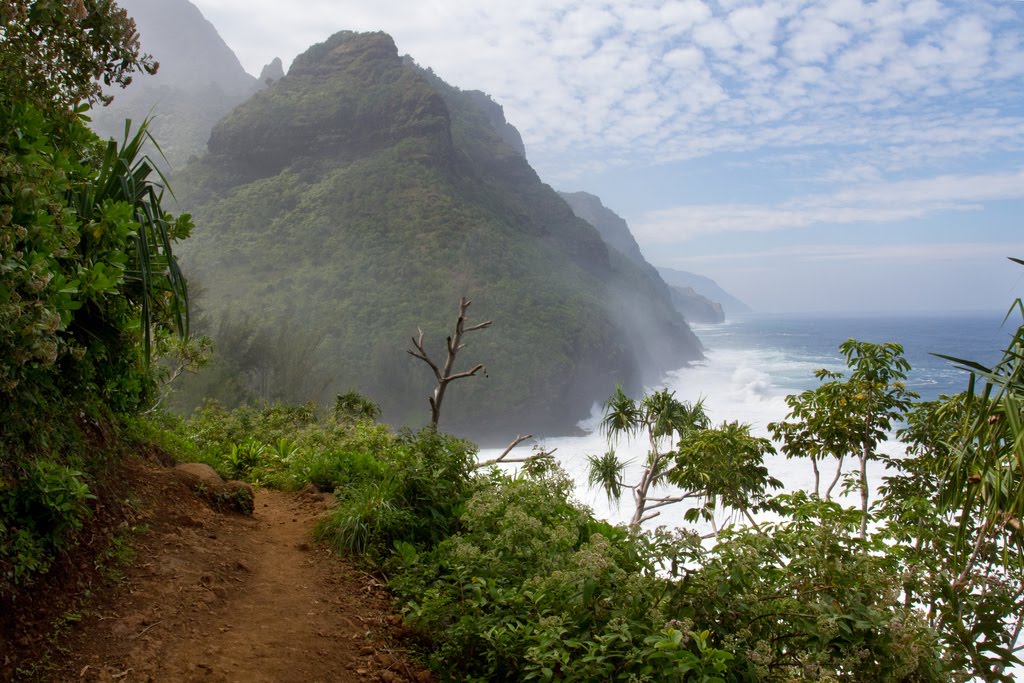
445, 374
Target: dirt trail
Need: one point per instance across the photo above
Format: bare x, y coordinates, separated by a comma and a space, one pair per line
223, 598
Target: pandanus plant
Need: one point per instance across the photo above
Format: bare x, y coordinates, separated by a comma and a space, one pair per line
986, 473
120, 206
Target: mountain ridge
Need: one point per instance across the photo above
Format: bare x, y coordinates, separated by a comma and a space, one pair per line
616, 233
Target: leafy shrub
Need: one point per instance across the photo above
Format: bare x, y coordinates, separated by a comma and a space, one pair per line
366, 519
808, 599
524, 592
39, 517
415, 498
329, 470
354, 406
213, 429
242, 458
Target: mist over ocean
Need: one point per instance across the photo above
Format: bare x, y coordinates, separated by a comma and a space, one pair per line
753, 363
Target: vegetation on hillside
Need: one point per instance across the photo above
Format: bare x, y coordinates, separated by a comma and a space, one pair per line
502, 575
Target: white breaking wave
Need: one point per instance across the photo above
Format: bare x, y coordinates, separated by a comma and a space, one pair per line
744, 385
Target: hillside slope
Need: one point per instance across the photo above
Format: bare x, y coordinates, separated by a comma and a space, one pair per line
359, 197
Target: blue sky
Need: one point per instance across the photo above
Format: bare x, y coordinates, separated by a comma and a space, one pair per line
836, 155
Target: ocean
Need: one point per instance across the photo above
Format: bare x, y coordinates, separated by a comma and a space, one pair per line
752, 363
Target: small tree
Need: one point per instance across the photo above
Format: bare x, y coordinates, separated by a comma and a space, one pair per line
445, 374
848, 416
662, 419
722, 465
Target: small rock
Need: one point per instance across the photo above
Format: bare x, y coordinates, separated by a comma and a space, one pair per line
200, 472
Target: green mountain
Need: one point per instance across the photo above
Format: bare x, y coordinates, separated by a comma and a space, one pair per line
616, 233
199, 80
356, 199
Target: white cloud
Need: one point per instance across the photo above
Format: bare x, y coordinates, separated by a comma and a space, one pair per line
899, 83
866, 203
957, 252
816, 41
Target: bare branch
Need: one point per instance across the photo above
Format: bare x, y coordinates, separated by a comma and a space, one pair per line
508, 449
647, 518
662, 503
445, 374
469, 373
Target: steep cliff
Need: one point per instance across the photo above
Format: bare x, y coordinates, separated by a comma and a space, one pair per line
696, 308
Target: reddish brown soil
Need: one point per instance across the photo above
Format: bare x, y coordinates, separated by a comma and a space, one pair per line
220, 597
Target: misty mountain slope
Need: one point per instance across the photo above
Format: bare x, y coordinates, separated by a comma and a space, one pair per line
695, 307
613, 228
704, 286
199, 80
359, 197
616, 233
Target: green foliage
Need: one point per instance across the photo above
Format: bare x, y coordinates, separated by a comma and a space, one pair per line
87, 274
987, 468
354, 406
723, 467
55, 54
411, 494
806, 599
215, 429
525, 591
39, 516
715, 466
848, 416
242, 458
255, 362
90, 272
962, 571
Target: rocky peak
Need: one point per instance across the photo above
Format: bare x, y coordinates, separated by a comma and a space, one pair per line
496, 117
272, 72
343, 99
190, 51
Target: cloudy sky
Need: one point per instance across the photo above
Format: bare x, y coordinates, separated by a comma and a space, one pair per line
833, 155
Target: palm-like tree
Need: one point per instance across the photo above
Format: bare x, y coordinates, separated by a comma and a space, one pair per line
664, 419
